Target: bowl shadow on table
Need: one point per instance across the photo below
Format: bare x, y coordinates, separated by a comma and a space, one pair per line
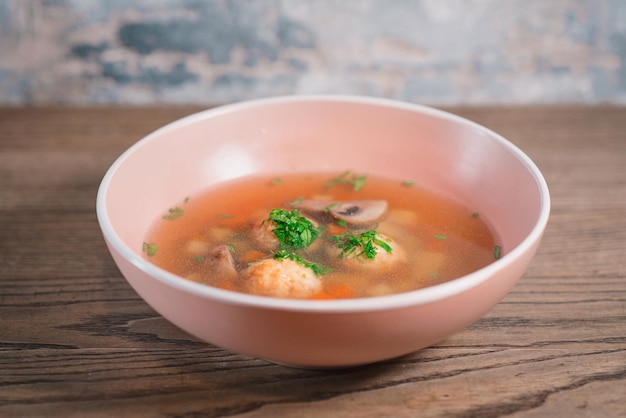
204, 377
157, 330
278, 384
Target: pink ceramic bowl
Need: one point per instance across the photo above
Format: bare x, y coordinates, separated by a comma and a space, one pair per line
332, 133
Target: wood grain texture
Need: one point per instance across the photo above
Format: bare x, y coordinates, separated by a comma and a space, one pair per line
76, 341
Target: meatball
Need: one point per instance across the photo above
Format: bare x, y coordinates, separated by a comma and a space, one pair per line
263, 235
281, 278
384, 260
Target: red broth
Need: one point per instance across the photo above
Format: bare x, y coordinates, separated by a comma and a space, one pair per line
434, 238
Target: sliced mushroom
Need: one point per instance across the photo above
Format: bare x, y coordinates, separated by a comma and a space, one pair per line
357, 213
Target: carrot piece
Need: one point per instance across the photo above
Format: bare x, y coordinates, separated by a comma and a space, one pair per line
436, 243
252, 256
334, 229
322, 296
337, 291
226, 285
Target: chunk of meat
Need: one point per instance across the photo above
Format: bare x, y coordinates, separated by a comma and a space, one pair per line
221, 259
280, 278
262, 232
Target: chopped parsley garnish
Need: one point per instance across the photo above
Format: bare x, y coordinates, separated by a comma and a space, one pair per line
224, 216
357, 182
475, 215
149, 248
408, 183
296, 201
174, 213
497, 252
367, 242
232, 248
286, 255
292, 230
342, 223
186, 199
440, 237
277, 180
199, 259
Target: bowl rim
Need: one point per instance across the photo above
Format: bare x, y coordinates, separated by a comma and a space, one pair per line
395, 301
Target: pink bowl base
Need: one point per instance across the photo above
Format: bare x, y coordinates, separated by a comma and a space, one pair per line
322, 339
304, 134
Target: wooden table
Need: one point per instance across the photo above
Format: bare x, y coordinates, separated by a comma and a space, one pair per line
75, 340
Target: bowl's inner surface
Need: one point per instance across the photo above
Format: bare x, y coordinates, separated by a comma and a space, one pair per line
433, 149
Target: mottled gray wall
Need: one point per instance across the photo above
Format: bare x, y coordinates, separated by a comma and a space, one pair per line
429, 51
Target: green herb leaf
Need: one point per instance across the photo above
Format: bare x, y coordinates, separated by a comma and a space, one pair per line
232, 248
174, 213
199, 259
277, 180
497, 252
296, 201
149, 248
367, 242
475, 215
342, 223
357, 182
286, 255
293, 230
408, 183
337, 180
442, 237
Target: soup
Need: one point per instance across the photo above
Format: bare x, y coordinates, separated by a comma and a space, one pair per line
320, 236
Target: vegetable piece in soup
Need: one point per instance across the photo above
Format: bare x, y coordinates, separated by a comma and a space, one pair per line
320, 236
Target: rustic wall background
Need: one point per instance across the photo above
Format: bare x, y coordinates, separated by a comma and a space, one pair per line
214, 51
